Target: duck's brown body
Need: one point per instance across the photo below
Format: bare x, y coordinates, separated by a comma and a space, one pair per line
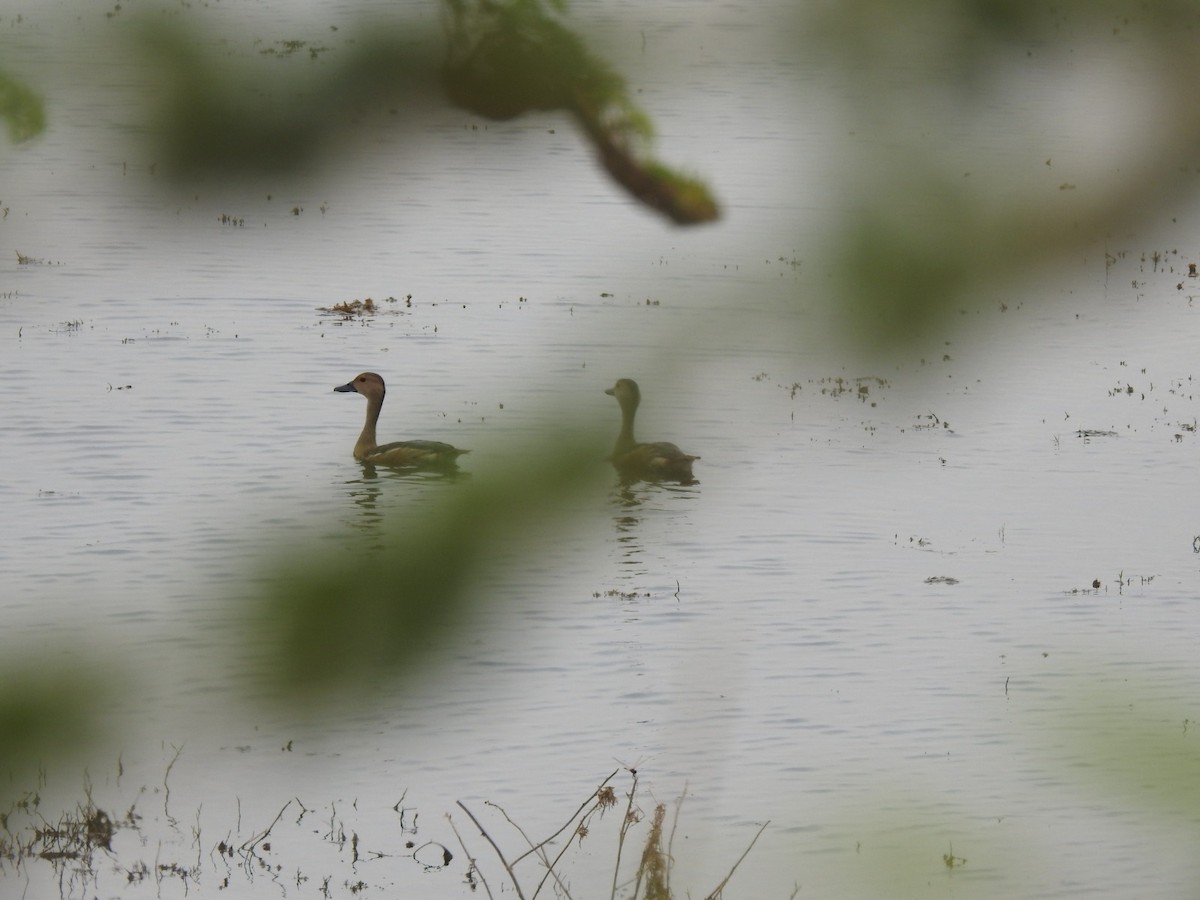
657, 461
398, 453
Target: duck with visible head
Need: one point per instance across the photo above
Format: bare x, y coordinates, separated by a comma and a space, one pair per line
399, 453
658, 461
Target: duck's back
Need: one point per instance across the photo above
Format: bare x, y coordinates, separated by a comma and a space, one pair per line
413, 453
657, 459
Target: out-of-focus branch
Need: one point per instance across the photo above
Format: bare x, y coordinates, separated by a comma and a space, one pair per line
506, 59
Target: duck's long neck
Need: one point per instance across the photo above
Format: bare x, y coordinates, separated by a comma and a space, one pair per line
626, 440
366, 440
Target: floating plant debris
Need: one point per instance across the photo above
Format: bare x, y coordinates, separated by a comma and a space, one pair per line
23, 260
358, 309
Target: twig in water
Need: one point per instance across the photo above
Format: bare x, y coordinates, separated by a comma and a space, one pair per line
720, 887
487, 837
255, 841
167, 784
400, 810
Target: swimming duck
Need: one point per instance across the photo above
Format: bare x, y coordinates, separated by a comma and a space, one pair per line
399, 453
659, 461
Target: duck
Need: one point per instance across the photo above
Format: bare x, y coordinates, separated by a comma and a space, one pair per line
399, 453
657, 461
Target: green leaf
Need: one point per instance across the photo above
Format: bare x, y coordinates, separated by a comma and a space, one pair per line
21, 108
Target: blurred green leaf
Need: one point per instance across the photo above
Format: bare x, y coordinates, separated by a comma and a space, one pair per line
21, 108
241, 113
1139, 749
924, 234
344, 617
47, 713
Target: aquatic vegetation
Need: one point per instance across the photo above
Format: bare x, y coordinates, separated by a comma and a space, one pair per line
360, 309
351, 308
836, 386
23, 260
69, 844
620, 594
289, 47
952, 861
1087, 435
652, 878
97, 852
860, 388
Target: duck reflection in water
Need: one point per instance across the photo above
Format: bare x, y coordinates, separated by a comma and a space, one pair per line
657, 461
420, 454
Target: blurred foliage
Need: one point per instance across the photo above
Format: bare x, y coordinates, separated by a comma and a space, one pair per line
503, 59
506, 59
21, 108
376, 604
229, 116
47, 713
1127, 752
1136, 749
921, 232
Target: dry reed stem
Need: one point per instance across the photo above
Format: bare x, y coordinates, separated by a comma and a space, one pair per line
653, 866
532, 846
583, 815
546, 861
625, 823
674, 828
487, 837
652, 880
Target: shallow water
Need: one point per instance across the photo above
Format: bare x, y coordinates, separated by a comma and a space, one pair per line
872, 622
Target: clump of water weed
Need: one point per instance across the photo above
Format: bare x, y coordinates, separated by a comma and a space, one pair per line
93, 850
69, 843
23, 260
360, 309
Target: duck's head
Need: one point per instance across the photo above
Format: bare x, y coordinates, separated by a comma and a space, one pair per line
626, 391
368, 384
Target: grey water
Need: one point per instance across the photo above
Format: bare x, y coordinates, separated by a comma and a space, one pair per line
887, 619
